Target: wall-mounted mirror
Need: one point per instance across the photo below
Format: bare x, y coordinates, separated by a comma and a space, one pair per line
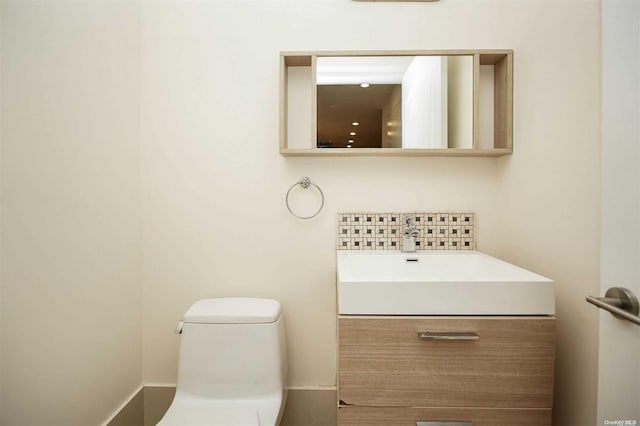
415, 102
454, 102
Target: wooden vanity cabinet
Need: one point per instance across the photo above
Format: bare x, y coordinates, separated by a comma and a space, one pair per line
412, 416
387, 375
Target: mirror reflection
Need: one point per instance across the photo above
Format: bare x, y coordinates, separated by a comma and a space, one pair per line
395, 102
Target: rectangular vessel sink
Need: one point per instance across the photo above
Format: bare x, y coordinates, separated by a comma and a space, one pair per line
438, 283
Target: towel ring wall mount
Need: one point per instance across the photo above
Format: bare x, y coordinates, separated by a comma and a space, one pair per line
305, 183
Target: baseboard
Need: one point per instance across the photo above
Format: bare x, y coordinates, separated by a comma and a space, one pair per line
306, 406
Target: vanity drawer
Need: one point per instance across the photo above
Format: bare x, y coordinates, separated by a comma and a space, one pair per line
382, 362
385, 416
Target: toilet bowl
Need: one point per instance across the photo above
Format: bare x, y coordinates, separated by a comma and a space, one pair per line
232, 367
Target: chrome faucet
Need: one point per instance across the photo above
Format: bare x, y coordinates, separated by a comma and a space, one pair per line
409, 234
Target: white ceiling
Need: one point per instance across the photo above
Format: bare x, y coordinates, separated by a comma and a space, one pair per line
361, 69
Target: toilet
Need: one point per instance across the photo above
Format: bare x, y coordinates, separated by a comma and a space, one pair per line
232, 368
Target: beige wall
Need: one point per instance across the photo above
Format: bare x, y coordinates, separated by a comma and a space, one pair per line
550, 187
213, 216
213, 182
71, 308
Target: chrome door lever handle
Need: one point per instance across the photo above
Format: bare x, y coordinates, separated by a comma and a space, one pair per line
620, 301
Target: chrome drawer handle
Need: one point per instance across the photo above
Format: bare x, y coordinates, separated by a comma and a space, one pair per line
442, 423
449, 335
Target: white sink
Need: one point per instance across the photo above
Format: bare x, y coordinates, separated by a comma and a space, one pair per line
438, 283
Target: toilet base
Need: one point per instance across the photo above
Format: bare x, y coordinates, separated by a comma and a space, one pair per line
190, 410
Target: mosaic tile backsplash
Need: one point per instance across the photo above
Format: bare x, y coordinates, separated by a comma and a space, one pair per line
383, 231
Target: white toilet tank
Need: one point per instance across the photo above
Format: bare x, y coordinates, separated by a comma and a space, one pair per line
233, 348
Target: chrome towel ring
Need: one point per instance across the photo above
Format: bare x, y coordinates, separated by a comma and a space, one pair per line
305, 183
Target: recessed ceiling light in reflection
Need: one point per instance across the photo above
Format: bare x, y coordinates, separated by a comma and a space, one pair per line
352, 133
364, 85
348, 146
350, 141
355, 123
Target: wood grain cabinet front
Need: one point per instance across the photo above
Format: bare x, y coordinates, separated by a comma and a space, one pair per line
482, 362
398, 416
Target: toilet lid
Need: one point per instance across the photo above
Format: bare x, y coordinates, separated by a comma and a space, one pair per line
207, 415
233, 310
